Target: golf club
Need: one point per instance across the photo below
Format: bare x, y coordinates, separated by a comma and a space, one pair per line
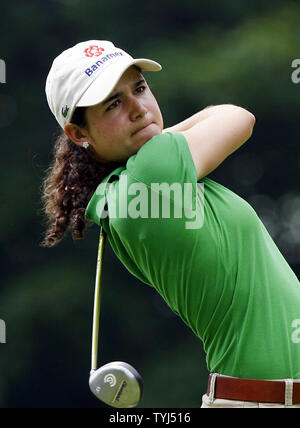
117, 383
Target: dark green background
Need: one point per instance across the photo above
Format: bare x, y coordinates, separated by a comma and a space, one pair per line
213, 52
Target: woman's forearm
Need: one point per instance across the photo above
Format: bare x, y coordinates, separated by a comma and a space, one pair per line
198, 117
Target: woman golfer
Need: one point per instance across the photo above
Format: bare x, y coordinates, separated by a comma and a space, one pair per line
202, 247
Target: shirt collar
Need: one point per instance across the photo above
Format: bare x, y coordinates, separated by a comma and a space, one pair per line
97, 202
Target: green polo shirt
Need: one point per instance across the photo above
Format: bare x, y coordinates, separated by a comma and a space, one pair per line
207, 253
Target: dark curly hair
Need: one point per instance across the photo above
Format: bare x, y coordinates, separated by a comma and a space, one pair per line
69, 183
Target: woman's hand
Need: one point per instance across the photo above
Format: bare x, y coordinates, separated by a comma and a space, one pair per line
191, 121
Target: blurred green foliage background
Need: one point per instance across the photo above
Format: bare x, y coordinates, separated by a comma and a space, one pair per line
213, 52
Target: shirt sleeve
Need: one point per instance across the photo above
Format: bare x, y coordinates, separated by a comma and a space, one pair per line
166, 158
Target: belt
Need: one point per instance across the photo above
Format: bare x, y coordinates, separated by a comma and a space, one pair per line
266, 391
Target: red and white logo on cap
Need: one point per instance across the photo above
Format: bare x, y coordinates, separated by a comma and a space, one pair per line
93, 50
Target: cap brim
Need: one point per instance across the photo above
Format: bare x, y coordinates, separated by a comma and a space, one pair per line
102, 86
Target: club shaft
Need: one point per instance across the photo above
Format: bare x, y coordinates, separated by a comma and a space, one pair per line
97, 301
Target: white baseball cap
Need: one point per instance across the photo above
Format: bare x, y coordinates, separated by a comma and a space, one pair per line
85, 75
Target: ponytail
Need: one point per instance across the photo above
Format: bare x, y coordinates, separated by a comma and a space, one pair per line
67, 188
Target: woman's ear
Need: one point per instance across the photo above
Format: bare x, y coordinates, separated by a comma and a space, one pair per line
76, 134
